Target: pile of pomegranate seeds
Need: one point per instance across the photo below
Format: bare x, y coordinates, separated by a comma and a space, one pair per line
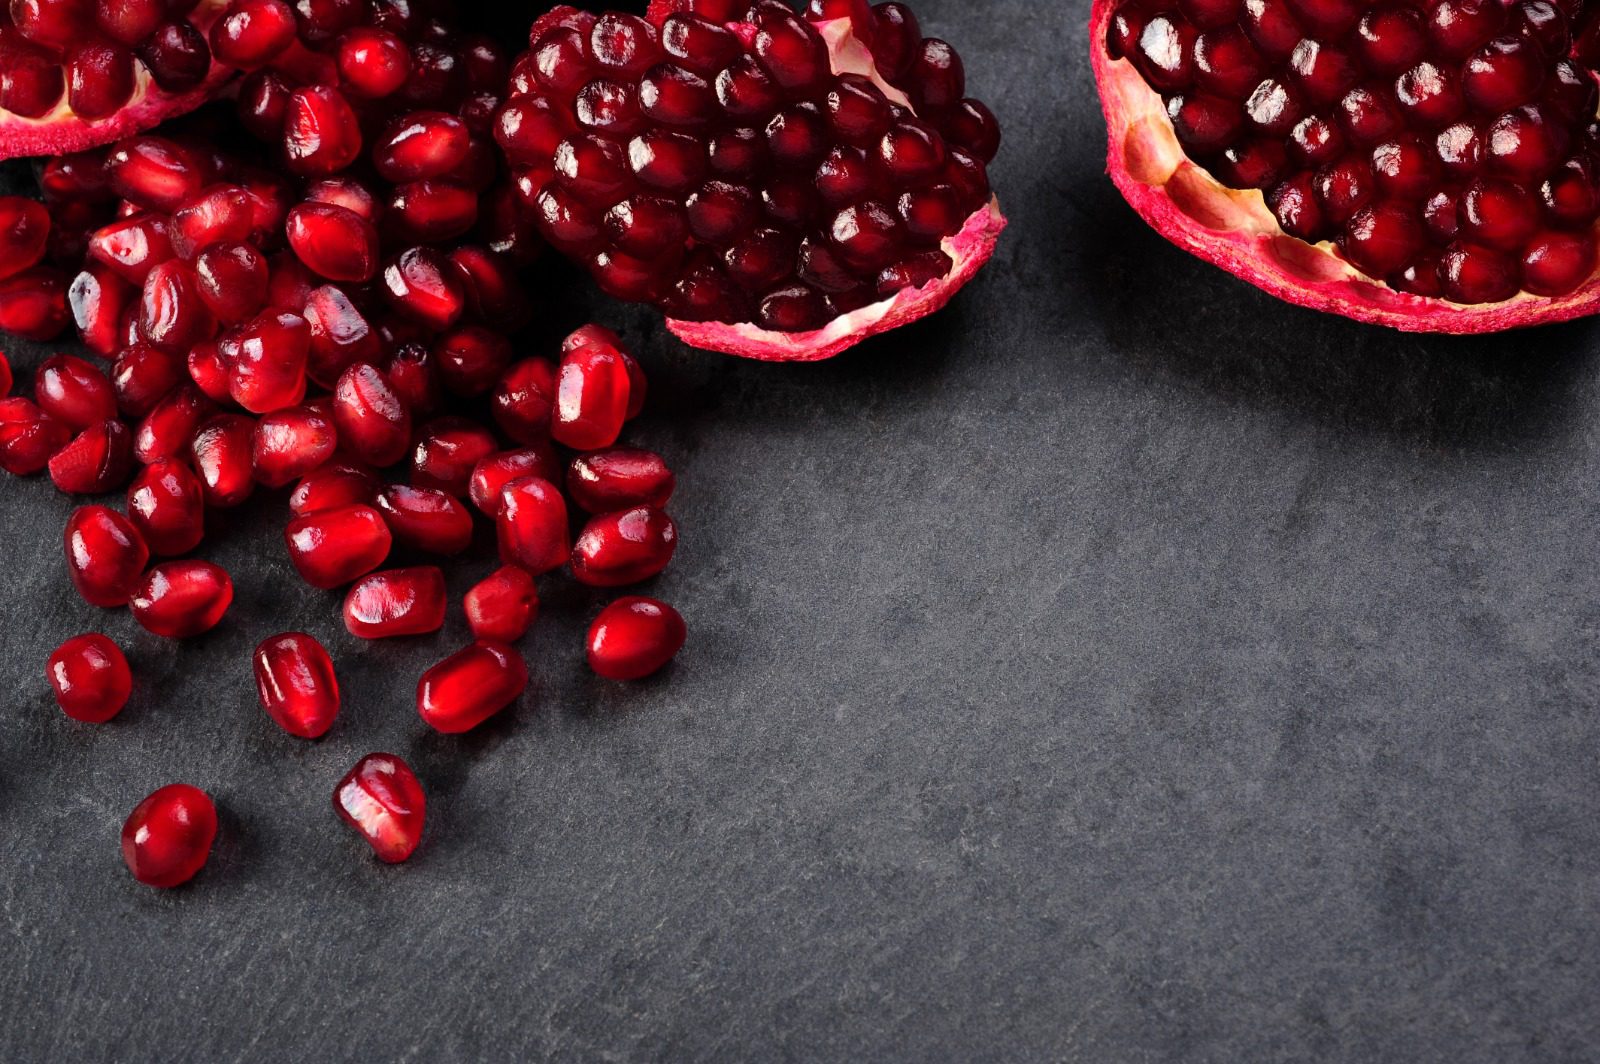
1448, 148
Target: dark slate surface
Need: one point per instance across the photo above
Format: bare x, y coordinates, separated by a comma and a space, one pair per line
1123, 667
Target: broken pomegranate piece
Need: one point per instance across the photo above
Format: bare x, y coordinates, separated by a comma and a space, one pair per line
781, 187
1430, 166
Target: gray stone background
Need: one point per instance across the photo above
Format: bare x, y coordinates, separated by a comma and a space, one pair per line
1122, 667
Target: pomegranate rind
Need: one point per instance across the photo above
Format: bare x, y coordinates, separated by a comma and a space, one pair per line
1236, 230
970, 249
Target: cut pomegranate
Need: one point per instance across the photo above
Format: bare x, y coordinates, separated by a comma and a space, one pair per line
396, 602
426, 519
178, 600
166, 503
470, 686
105, 555
492, 474
782, 187
1430, 168
624, 548
29, 437
532, 525
330, 548
91, 678
503, 605
291, 443
634, 638
99, 459
168, 836
297, 685
619, 478
381, 799
332, 487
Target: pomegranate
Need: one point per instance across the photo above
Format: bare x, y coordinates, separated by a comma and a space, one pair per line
781, 187
470, 686
1429, 167
178, 600
91, 678
635, 637
381, 799
297, 685
167, 838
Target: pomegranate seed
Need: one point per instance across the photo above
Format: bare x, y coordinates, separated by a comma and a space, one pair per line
166, 504
291, 443
619, 478
373, 63
168, 836
251, 33
177, 56
532, 525
381, 799
333, 241
33, 304
266, 361
28, 437
172, 316
523, 401
414, 375
635, 637
591, 398
208, 372
91, 678
493, 287
181, 599
24, 233
222, 450
599, 336
132, 247
154, 173
341, 336
470, 686
232, 279
491, 475
321, 132
471, 359
297, 685
168, 430
624, 548
431, 211
502, 606
424, 286
99, 459
71, 390
6, 380
396, 602
426, 519
219, 214
372, 421
332, 487
421, 145
98, 297
143, 376
100, 79
105, 555
447, 452
330, 548
344, 192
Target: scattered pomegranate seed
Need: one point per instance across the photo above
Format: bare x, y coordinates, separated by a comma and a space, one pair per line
383, 801
73, 391
426, 519
166, 503
291, 443
332, 487
297, 685
532, 525
181, 599
167, 838
635, 637
624, 548
524, 399
372, 421
491, 475
619, 478
105, 555
223, 452
470, 686
447, 452
91, 678
396, 602
99, 459
591, 398
330, 548
503, 606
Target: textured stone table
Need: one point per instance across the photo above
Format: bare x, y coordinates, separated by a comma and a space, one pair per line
1123, 667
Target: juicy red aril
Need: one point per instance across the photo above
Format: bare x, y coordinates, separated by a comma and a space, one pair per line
24, 233
266, 361
222, 450
105, 555
471, 359
447, 452
172, 315
98, 297
396, 602
413, 375
1557, 262
524, 399
232, 280
381, 799
169, 428
178, 600
220, 213
333, 241
373, 63
341, 335
132, 246
290, 443
91, 678
33, 304
503, 605
321, 132
491, 475
330, 548
372, 421
591, 398
28, 437
296, 683
168, 836
99, 459
470, 686
167, 505
426, 519
635, 637
532, 525
208, 372
68, 388
154, 173
624, 548
6, 380
143, 376
251, 33
619, 478
332, 487
423, 285
420, 145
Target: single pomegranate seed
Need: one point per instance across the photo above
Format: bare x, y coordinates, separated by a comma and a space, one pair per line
105, 555
332, 487
251, 33
153, 173
33, 304
421, 145
413, 373
333, 241
28, 437
143, 376
99, 459
373, 63
172, 316
168, 836
98, 296
494, 290
266, 361
372, 421
330, 548
592, 335
619, 478
532, 525
24, 234
166, 503
133, 246
591, 398
73, 391
291, 443
470, 686
471, 359
181, 599
502, 606
1556, 263
232, 279
321, 132
91, 678
222, 450
396, 602
341, 335
297, 685
381, 799
208, 372
169, 428
634, 638
491, 475
524, 399
426, 519
624, 548
447, 452
219, 214
424, 286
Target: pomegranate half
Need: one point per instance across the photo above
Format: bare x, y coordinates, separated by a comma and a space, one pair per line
1429, 165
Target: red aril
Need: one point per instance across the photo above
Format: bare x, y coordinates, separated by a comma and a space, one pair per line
232, 280
447, 452
471, 359
33, 304
424, 286
71, 390
373, 63
166, 503
593, 335
222, 450
491, 475
634, 638
624, 548
251, 33
6, 380
178, 600
503, 605
333, 241
591, 398
266, 361
131, 247
373, 423
426, 519
219, 214
524, 399
381, 799
99, 459
28, 437
321, 133
341, 335
105, 555
98, 296
91, 678
168, 430
290, 443
168, 836
470, 686
420, 145
396, 602
296, 683
208, 372
330, 548
153, 173
141, 377
172, 316
532, 525
619, 478
24, 233
413, 373
430, 212
333, 486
